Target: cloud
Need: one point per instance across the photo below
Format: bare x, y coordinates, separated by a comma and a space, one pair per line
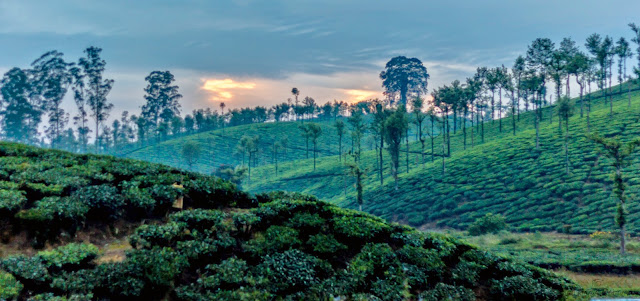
221, 88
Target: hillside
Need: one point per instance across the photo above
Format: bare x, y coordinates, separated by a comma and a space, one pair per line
226, 245
503, 175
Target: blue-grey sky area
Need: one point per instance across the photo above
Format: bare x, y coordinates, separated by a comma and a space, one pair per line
249, 53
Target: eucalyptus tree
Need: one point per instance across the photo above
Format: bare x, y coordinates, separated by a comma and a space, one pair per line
623, 51
539, 56
417, 109
380, 114
395, 129
162, 99
636, 39
502, 75
51, 81
304, 132
568, 49
492, 80
579, 66
340, 129
557, 72
518, 70
610, 49
404, 76
533, 84
358, 127
22, 113
473, 89
601, 49
565, 110
96, 88
510, 88
314, 132
620, 155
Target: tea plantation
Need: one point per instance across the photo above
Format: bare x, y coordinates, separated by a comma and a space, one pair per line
506, 174
225, 244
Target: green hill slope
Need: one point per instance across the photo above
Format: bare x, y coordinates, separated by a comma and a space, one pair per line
503, 175
228, 245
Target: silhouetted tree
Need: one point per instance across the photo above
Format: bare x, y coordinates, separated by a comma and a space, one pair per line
95, 88
162, 98
51, 80
22, 114
404, 75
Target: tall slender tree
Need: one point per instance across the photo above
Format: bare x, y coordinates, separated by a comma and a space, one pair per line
619, 154
162, 98
636, 39
314, 132
51, 81
96, 88
395, 129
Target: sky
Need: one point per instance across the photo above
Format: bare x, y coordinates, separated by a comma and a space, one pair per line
249, 53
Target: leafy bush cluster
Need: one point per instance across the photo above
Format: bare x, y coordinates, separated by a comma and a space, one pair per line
228, 245
287, 249
45, 192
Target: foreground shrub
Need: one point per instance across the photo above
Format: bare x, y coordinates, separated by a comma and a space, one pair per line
10, 288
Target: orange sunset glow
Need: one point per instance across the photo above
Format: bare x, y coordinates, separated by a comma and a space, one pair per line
222, 88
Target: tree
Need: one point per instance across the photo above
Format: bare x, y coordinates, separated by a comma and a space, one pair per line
340, 129
623, 51
418, 117
518, 71
51, 82
231, 174
191, 153
380, 114
356, 120
278, 146
636, 39
162, 98
568, 50
539, 56
222, 106
305, 134
395, 129
359, 174
565, 110
578, 67
619, 154
96, 88
404, 75
314, 131
295, 93
599, 48
22, 115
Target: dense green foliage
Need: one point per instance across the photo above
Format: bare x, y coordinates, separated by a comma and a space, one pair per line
241, 247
